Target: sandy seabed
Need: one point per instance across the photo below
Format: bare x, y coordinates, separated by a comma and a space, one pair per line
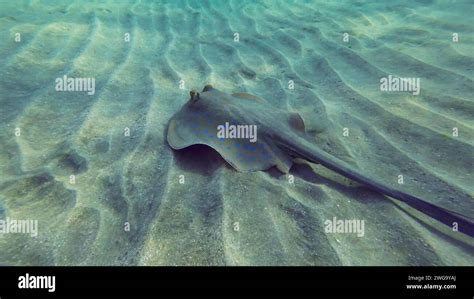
190, 207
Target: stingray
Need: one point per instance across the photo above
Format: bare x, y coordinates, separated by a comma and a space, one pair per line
225, 122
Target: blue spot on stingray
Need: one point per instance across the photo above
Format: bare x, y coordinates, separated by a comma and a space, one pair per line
237, 145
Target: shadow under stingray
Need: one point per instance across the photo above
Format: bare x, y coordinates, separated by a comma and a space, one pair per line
204, 160
356, 192
199, 158
367, 196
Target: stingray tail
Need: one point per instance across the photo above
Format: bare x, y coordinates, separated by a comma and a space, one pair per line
309, 152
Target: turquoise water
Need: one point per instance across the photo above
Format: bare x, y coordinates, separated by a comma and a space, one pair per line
95, 171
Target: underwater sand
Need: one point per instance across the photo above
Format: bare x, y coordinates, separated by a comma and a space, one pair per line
136, 179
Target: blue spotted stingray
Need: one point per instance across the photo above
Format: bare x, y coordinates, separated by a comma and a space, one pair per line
281, 138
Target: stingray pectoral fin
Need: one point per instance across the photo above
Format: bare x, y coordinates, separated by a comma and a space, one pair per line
170, 136
246, 157
302, 148
173, 136
296, 122
315, 121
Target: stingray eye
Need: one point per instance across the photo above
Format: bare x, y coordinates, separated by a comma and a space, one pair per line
194, 95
